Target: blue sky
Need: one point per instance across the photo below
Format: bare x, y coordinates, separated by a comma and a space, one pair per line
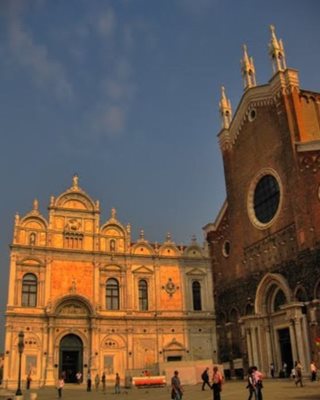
125, 93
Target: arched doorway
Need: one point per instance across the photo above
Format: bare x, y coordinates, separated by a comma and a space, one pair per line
70, 357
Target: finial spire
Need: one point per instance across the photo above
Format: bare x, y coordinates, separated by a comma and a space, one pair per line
141, 234
35, 205
247, 70
113, 213
277, 53
225, 109
75, 181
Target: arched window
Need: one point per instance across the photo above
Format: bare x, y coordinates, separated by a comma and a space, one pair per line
279, 300
112, 294
234, 316
301, 294
249, 309
29, 291
143, 295
196, 295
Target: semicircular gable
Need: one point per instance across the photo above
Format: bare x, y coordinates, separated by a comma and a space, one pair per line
114, 230
33, 222
71, 305
75, 201
31, 341
193, 251
142, 248
169, 250
113, 341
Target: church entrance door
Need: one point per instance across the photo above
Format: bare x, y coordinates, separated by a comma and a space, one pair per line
71, 357
285, 349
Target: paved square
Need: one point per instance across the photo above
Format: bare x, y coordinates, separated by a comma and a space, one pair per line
276, 389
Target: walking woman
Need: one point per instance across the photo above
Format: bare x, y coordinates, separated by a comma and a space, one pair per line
298, 369
60, 386
216, 383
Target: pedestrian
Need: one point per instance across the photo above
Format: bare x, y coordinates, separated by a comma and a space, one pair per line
29, 379
298, 369
117, 384
285, 369
60, 386
250, 385
216, 383
78, 377
89, 382
103, 381
176, 388
257, 381
313, 369
205, 378
272, 370
97, 382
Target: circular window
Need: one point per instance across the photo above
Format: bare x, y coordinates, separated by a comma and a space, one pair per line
226, 248
264, 198
252, 115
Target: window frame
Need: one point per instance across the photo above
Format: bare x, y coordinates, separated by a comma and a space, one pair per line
112, 294
143, 295
29, 290
196, 295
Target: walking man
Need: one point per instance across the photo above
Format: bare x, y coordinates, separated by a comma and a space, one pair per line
177, 391
205, 378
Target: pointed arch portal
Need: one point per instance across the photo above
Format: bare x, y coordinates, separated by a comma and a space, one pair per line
70, 357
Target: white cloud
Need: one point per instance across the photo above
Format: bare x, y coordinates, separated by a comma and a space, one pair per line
45, 71
114, 119
106, 23
109, 121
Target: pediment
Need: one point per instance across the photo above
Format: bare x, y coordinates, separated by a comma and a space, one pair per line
196, 272
113, 267
30, 262
142, 270
173, 345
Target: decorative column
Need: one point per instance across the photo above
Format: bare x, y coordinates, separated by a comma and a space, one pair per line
269, 345
12, 290
93, 349
300, 340
254, 346
8, 347
249, 346
50, 379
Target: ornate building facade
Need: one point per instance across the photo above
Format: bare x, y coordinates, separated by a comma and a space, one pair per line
265, 242
88, 298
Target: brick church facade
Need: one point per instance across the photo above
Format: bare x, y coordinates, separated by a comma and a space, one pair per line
265, 241
89, 298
